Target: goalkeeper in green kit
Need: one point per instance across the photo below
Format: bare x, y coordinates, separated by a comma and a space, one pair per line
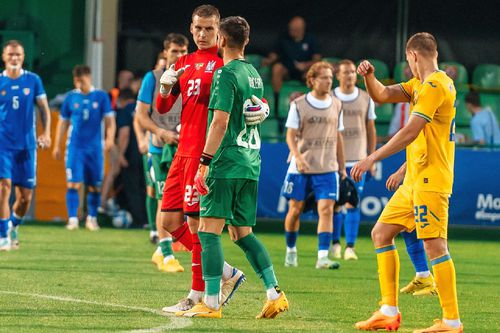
229, 170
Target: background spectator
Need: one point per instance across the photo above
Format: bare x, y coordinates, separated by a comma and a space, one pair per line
484, 124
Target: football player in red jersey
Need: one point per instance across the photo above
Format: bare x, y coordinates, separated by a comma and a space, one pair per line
191, 78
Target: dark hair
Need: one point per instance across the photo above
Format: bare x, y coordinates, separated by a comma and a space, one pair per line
206, 11
422, 42
236, 31
81, 70
13, 43
175, 38
126, 93
473, 98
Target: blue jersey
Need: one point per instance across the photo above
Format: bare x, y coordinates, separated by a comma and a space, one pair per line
17, 110
85, 112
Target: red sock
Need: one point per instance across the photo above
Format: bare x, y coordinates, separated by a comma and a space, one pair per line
183, 235
197, 283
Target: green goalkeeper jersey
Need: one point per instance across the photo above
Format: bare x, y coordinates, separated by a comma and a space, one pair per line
239, 153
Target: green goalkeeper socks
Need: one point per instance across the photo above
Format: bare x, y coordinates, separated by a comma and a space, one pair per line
259, 258
212, 261
166, 247
151, 208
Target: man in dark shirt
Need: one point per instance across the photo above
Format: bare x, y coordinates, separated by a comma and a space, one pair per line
294, 53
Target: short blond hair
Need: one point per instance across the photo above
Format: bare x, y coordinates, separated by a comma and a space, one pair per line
314, 71
422, 42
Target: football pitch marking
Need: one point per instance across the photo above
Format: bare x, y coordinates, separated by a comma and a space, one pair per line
175, 322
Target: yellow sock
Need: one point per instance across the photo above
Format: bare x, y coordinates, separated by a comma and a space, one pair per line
446, 283
388, 274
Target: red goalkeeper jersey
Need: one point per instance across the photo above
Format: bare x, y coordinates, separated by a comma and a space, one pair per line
194, 86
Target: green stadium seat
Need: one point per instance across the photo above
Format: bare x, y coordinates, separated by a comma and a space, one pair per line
462, 117
381, 72
493, 101
384, 113
382, 129
270, 130
289, 90
265, 74
27, 38
255, 60
486, 76
399, 72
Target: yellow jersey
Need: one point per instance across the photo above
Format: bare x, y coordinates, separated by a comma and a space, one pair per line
430, 158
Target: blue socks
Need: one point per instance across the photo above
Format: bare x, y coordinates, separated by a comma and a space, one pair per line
351, 225
72, 202
415, 249
15, 220
324, 239
4, 227
93, 200
291, 238
337, 226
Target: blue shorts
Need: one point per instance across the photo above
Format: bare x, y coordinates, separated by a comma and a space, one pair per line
324, 186
359, 185
84, 165
19, 166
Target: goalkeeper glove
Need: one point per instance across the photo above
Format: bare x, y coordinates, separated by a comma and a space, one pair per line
169, 78
255, 110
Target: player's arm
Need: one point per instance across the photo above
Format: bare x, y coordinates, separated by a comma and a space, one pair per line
44, 140
62, 127
145, 122
123, 141
110, 131
396, 178
141, 135
340, 155
377, 91
291, 140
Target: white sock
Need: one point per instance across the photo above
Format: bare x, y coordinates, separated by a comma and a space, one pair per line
272, 294
158, 250
153, 233
17, 216
423, 274
389, 310
166, 239
73, 220
227, 272
291, 249
212, 301
322, 254
167, 258
455, 323
195, 296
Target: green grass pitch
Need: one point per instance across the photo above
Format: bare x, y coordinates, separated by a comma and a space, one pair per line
61, 281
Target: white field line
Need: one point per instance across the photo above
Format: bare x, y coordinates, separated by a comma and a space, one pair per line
175, 322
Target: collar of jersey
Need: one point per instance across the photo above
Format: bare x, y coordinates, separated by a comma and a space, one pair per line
212, 50
4, 73
92, 88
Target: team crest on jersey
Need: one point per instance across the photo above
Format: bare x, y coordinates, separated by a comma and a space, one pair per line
198, 65
210, 66
26, 91
95, 105
76, 105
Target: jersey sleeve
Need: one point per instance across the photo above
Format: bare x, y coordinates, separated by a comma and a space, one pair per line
147, 90
106, 110
430, 98
39, 90
371, 110
222, 91
65, 112
407, 88
293, 119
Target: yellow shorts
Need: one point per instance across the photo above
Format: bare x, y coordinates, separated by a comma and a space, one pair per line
425, 211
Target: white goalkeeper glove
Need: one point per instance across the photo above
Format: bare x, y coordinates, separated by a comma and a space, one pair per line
169, 78
255, 110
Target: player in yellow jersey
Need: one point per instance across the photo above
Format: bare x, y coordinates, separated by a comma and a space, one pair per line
422, 201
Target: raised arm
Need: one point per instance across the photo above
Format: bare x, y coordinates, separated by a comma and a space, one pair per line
377, 91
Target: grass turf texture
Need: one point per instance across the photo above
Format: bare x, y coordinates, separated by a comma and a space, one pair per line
111, 268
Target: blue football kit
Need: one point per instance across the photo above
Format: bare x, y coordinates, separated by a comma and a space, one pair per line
18, 127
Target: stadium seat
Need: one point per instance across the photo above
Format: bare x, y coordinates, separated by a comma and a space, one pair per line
265, 74
384, 113
290, 90
399, 72
270, 130
486, 76
458, 73
255, 60
462, 117
382, 129
493, 101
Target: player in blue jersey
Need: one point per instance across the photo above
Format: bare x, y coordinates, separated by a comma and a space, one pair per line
83, 111
20, 90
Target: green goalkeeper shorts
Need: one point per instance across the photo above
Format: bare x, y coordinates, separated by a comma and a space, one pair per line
234, 200
158, 174
145, 166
